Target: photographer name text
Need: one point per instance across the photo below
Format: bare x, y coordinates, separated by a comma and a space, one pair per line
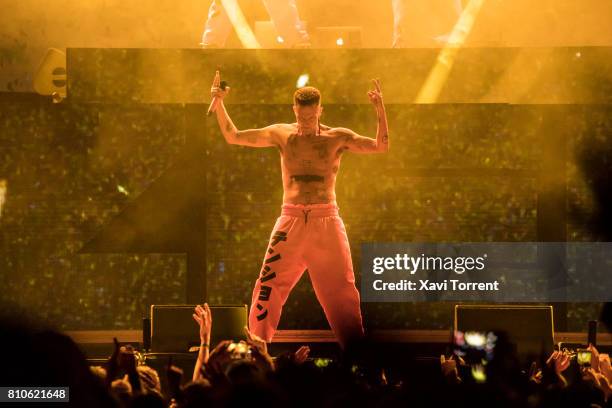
426, 285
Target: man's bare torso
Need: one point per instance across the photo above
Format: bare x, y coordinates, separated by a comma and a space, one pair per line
309, 163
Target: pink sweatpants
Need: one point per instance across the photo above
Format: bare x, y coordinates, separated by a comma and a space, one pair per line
309, 237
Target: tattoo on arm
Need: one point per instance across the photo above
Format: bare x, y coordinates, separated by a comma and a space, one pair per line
263, 137
363, 144
354, 143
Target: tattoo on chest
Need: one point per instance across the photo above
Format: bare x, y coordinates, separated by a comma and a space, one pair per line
292, 144
321, 148
308, 178
292, 140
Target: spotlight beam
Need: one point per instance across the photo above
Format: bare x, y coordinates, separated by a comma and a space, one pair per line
236, 17
430, 91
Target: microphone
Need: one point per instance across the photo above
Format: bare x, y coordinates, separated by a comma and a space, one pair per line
213, 104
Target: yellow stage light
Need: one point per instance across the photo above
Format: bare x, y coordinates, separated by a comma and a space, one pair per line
302, 81
3, 188
243, 31
430, 91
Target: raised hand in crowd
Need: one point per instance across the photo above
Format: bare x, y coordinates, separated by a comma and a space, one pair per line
259, 351
175, 377
604, 366
599, 372
598, 380
449, 368
301, 354
203, 317
559, 361
218, 360
256, 341
535, 374
556, 363
122, 363
594, 357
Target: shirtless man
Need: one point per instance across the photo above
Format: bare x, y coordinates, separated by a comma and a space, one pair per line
309, 234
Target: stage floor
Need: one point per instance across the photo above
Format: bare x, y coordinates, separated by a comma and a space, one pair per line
326, 336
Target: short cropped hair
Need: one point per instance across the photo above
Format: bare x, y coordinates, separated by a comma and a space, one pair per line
307, 96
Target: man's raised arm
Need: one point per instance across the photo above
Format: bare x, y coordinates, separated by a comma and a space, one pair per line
264, 137
361, 144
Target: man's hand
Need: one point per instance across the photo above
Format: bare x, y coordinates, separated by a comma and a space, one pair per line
360, 144
264, 137
375, 95
215, 89
203, 317
218, 91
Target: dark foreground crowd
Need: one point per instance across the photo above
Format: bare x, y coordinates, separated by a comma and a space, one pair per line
243, 374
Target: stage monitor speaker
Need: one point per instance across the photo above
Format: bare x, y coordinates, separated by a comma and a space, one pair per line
173, 329
529, 328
